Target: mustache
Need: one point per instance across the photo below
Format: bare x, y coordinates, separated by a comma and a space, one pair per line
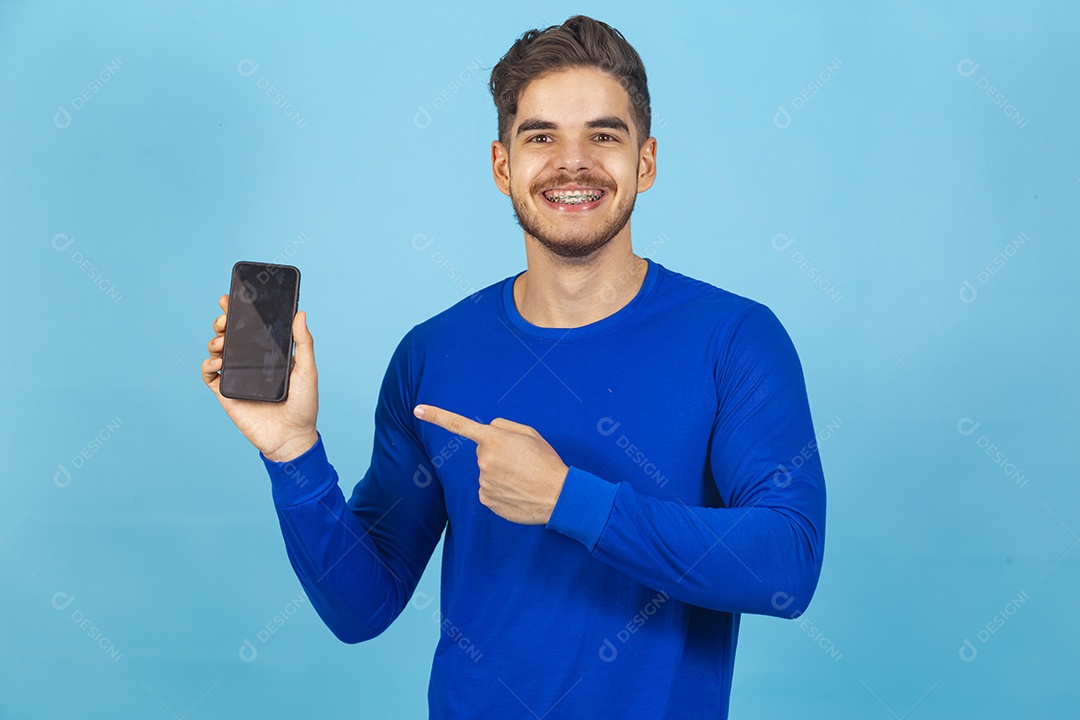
592, 181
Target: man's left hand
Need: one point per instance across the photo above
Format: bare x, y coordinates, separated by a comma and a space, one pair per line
521, 475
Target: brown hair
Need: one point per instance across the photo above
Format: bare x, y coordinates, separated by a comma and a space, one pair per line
579, 42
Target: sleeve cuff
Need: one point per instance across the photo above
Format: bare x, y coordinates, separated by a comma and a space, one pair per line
301, 479
583, 507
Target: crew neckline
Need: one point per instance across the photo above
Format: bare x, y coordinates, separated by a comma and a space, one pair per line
602, 325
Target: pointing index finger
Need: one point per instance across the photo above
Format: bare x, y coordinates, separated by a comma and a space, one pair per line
457, 424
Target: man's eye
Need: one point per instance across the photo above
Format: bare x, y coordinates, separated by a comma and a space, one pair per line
605, 135
537, 137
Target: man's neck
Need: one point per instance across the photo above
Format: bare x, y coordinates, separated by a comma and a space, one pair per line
558, 292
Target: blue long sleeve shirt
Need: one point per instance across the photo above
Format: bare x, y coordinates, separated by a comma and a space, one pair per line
694, 494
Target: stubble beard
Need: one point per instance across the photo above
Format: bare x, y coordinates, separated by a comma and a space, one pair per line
570, 244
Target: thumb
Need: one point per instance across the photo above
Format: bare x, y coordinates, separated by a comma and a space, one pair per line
305, 344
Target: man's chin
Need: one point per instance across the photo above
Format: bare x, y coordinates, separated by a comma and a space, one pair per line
572, 249
570, 245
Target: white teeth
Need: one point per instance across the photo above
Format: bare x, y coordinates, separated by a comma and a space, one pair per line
573, 197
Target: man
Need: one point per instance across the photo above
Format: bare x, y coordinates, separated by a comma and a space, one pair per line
645, 467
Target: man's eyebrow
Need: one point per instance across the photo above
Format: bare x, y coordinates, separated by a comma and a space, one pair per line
608, 122
535, 124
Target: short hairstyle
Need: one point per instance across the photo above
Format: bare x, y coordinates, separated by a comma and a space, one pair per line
581, 41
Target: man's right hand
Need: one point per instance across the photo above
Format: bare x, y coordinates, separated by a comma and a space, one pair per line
281, 431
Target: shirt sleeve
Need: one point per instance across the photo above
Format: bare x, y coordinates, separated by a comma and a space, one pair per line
360, 561
760, 553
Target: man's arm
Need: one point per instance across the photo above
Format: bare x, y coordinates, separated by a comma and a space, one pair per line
359, 562
762, 552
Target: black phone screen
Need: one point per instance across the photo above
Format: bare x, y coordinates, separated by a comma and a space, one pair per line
256, 359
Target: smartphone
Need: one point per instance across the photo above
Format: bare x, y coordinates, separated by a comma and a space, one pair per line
256, 360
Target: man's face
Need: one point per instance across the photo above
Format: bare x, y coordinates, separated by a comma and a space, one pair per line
573, 168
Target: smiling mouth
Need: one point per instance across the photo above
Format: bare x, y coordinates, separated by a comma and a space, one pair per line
573, 197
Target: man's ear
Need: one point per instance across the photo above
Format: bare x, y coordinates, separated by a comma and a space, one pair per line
500, 167
647, 165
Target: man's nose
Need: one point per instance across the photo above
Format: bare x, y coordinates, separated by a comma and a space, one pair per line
574, 155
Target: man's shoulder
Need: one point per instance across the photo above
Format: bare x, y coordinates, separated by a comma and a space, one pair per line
695, 295
739, 328
678, 297
467, 313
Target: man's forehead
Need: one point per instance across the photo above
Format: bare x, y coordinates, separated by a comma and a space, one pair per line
573, 97
582, 85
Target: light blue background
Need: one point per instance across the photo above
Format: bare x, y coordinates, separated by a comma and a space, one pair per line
898, 180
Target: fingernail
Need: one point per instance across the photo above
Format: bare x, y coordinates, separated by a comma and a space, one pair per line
418, 411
